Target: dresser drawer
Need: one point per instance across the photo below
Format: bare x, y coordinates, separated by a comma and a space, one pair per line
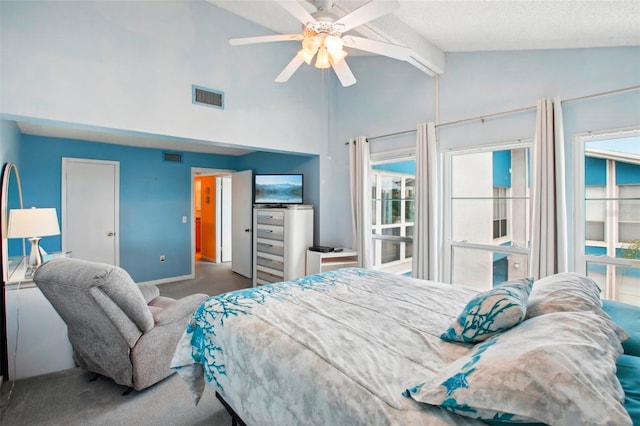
276, 249
264, 277
271, 264
270, 218
270, 232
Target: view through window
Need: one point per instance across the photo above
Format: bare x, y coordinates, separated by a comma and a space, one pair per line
487, 215
609, 237
392, 212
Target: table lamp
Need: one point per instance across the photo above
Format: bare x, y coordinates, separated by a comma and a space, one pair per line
32, 224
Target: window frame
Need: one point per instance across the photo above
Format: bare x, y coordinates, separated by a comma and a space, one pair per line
581, 259
448, 244
385, 157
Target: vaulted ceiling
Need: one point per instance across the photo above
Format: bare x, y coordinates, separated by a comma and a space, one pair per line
432, 28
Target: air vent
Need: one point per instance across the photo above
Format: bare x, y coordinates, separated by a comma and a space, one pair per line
174, 157
208, 97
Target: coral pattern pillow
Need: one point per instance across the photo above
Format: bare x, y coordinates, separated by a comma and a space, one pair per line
558, 369
564, 292
491, 312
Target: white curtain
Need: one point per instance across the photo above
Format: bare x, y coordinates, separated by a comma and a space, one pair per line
360, 165
548, 198
425, 250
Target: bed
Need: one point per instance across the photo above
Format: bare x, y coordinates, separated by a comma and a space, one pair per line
363, 347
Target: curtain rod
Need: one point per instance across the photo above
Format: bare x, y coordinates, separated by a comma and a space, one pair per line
513, 111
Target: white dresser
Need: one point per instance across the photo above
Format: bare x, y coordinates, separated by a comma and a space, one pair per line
281, 237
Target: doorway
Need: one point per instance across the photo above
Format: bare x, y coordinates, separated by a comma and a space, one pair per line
211, 210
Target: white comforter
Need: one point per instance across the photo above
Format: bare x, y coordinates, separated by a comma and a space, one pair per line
337, 348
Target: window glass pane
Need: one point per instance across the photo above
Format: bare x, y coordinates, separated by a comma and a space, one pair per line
629, 232
409, 211
390, 249
595, 203
390, 212
629, 211
594, 231
409, 196
619, 283
408, 250
393, 213
472, 220
490, 197
483, 269
612, 195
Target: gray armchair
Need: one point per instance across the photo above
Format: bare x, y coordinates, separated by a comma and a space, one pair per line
118, 329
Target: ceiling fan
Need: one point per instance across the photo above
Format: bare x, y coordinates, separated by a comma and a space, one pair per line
323, 37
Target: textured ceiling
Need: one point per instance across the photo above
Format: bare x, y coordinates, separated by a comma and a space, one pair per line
433, 28
459, 26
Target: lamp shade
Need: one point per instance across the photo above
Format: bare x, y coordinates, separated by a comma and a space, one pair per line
27, 223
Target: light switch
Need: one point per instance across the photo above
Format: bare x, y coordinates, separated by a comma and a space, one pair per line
184, 219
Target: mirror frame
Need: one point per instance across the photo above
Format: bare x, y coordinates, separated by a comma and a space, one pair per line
4, 214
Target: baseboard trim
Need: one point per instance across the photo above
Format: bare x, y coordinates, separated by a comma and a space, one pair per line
169, 280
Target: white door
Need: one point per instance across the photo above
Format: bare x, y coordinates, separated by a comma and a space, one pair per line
225, 234
90, 204
242, 222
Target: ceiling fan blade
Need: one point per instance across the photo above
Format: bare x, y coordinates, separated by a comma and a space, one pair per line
297, 10
367, 12
343, 72
265, 39
385, 49
288, 71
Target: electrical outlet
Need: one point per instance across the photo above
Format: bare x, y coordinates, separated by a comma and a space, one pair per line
162, 258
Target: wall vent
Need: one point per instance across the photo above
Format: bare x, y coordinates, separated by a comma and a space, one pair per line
207, 97
174, 157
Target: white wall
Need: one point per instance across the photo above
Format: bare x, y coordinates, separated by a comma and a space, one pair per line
129, 65
391, 96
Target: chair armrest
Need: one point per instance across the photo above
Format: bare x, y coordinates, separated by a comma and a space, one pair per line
149, 292
182, 308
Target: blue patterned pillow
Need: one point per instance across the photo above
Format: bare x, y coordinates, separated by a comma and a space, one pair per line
555, 369
491, 312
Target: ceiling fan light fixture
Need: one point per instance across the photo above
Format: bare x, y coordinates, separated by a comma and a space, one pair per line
337, 58
306, 56
333, 45
310, 45
322, 60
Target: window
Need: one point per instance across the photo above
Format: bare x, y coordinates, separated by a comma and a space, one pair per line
486, 215
499, 212
607, 200
393, 207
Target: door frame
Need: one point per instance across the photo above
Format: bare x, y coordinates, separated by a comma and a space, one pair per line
221, 213
116, 207
200, 171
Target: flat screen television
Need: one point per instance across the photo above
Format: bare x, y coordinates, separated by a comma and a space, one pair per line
278, 189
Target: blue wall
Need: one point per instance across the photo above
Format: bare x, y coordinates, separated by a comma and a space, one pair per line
502, 168
10, 153
154, 195
596, 172
308, 165
9, 143
627, 174
407, 167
